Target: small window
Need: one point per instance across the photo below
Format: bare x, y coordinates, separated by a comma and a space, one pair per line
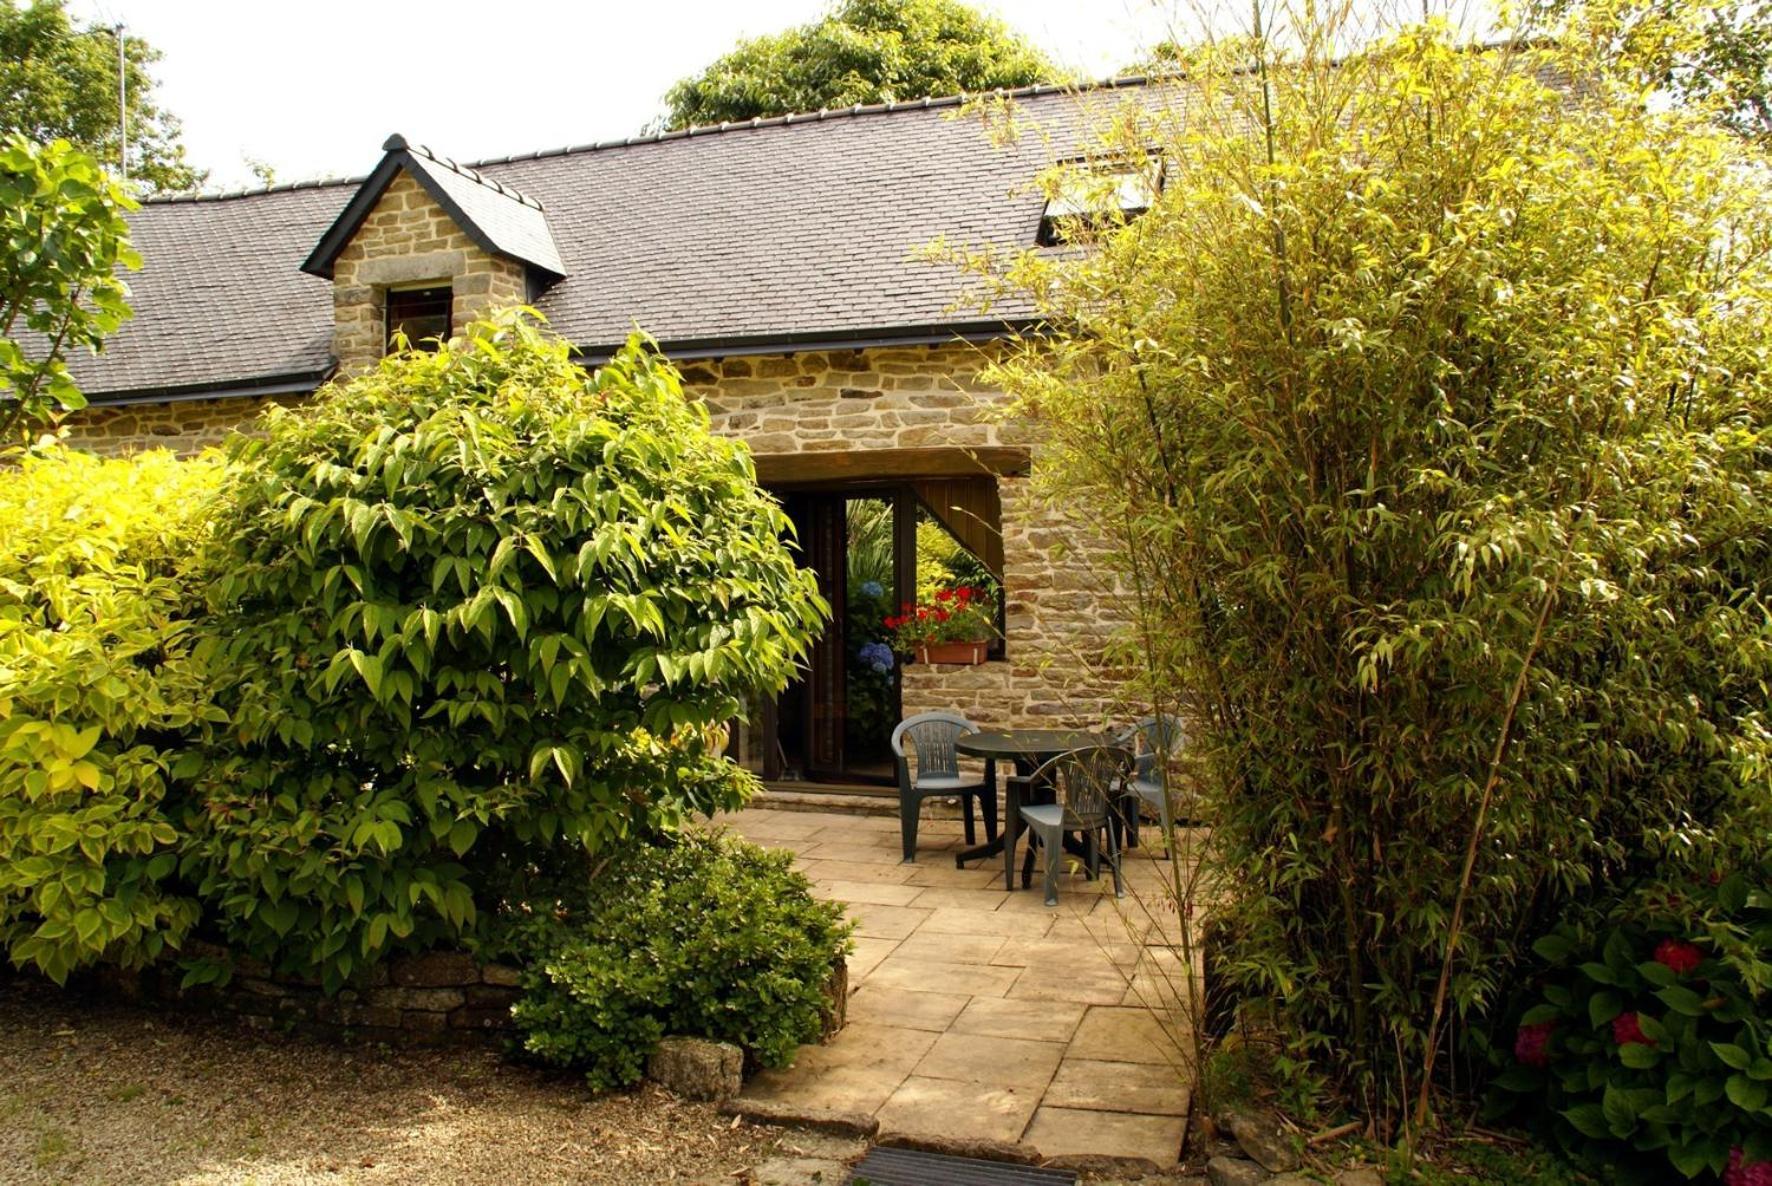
1094, 196
422, 314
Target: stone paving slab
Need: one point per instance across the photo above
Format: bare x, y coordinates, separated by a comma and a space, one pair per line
980, 1014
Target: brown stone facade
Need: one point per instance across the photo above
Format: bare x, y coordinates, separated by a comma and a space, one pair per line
408, 241
186, 427
1061, 595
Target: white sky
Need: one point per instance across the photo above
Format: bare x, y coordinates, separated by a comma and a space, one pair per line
312, 88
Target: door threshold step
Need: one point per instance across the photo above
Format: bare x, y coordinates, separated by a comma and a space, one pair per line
842, 802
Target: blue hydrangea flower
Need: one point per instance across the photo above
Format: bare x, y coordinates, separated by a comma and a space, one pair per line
872, 589
876, 655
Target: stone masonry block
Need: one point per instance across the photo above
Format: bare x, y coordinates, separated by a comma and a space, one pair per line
697, 1069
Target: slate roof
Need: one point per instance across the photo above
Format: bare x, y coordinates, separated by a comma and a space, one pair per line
799, 230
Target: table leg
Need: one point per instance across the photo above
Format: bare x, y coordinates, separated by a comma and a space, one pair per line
1011, 829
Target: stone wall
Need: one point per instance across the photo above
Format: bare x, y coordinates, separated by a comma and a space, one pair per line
825, 401
409, 241
440, 997
185, 427
1061, 597
1062, 609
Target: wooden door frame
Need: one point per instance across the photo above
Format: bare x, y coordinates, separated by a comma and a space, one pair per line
902, 497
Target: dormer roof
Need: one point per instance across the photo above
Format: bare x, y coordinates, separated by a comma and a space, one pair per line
501, 221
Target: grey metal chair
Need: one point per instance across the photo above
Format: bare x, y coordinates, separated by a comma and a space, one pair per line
1156, 741
932, 735
1085, 786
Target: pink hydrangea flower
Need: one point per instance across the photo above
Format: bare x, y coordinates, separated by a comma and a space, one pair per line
1742, 1172
1532, 1044
1678, 956
1627, 1029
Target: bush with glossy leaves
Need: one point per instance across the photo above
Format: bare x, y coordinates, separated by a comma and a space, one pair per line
476, 611
705, 936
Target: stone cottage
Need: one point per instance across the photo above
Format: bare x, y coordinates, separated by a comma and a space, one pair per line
777, 263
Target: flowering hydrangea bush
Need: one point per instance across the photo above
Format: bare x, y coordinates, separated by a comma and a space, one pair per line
963, 614
877, 655
1650, 1035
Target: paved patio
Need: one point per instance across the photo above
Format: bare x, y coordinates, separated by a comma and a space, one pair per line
982, 1014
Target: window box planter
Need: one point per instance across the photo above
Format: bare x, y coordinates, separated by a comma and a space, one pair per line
969, 654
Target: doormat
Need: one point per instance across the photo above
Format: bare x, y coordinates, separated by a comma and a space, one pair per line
908, 1167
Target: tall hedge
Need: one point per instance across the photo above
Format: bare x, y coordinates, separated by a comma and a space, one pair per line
101, 696
1428, 410
474, 610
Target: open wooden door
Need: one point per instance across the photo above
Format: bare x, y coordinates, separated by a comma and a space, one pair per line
825, 539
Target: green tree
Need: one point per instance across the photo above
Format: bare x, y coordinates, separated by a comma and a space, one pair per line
58, 81
863, 51
476, 612
1427, 411
62, 239
1729, 65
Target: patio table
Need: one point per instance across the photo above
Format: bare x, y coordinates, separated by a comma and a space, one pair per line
1028, 749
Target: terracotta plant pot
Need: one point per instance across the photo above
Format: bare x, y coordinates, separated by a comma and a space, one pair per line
967, 653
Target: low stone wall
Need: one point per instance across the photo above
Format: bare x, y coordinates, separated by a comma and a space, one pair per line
440, 997
436, 998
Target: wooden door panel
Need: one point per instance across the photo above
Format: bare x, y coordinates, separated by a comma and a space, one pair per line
826, 545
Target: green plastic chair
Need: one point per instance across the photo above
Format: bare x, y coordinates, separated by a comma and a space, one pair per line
1085, 787
1155, 742
932, 735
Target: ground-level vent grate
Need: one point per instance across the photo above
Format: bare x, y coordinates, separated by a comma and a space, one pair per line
908, 1167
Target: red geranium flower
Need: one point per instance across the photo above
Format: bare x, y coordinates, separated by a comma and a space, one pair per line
1742, 1172
941, 615
1678, 956
1627, 1029
1532, 1044
944, 595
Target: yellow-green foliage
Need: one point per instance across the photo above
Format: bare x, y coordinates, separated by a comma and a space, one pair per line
97, 687
1427, 410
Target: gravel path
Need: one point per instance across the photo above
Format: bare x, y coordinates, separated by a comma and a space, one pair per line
94, 1092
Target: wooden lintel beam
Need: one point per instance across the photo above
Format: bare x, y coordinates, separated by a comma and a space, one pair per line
861, 465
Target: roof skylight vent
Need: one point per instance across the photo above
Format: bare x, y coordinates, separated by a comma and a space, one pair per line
1097, 195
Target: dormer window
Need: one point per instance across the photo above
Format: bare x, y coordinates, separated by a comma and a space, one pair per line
422, 314
1095, 195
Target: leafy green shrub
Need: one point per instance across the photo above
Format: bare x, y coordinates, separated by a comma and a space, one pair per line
1650, 1032
706, 936
475, 610
98, 693
1426, 412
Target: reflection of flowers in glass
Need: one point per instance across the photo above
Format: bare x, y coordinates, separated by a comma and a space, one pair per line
872, 589
876, 655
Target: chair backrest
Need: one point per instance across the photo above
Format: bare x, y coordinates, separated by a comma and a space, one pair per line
1157, 739
1084, 780
933, 734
